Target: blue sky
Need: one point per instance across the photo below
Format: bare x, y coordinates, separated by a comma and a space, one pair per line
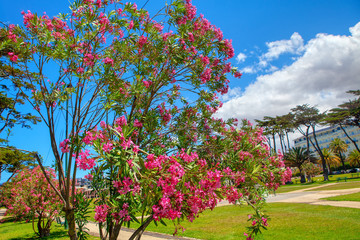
290, 52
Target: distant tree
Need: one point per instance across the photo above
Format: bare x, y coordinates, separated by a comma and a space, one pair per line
280, 126
297, 157
268, 124
339, 147
354, 158
311, 170
285, 124
346, 114
12, 160
310, 117
330, 158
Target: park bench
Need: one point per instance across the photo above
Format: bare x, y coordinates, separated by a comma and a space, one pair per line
341, 178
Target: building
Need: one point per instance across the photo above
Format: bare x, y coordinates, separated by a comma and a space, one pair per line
326, 135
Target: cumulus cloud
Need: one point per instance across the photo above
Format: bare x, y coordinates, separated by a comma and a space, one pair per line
241, 58
328, 67
232, 93
294, 45
248, 70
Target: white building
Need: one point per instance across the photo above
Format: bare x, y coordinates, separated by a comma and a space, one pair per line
326, 135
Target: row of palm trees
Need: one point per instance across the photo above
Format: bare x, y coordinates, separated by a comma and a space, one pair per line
334, 156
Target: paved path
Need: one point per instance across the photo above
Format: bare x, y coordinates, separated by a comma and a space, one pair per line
314, 197
2, 213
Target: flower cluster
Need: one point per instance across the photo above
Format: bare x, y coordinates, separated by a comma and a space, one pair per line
83, 161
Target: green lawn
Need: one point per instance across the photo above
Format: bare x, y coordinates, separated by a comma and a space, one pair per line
10, 230
339, 186
289, 221
317, 181
294, 187
347, 197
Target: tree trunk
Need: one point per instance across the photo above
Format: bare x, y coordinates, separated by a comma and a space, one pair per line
138, 233
342, 160
115, 231
281, 143
307, 142
347, 135
325, 170
274, 143
288, 141
70, 217
302, 176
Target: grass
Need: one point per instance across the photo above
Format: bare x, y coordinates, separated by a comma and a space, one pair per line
294, 187
21, 230
289, 221
339, 186
317, 181
347, 197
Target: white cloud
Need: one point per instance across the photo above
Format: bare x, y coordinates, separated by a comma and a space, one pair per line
294, 45
232, 93
241, 58
248, 70
327, 69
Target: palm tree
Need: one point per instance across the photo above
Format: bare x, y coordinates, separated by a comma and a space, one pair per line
339, 147
297, 157
354, 158
330, 158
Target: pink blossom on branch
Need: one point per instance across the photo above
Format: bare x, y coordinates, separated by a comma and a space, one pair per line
13, 57
64, 146
83, 161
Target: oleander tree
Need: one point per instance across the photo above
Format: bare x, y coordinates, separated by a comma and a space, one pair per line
152, 82
168, 182
29, 195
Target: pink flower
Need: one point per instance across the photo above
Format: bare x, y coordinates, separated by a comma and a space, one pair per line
89, 177
108, 60
101, 212
84, 162
137, 123
89, 138
237, 74
191, 37
80, 70
142, 41
121, 121
13, 57
64, 146
206, 75
147, 83
131, 24
107, 147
